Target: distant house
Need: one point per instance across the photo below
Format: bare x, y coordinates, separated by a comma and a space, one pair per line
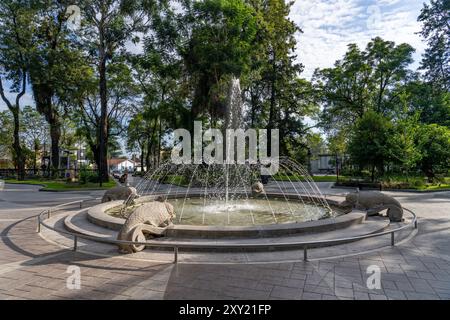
121, 165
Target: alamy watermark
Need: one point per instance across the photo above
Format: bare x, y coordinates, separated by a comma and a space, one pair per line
73, 13
209, 147
374, 280
73, 281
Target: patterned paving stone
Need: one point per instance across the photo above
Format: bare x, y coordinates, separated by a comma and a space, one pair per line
32, 268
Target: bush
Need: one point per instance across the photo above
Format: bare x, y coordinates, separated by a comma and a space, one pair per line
87, 176
419, 183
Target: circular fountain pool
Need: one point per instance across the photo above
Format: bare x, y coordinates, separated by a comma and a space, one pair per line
238, 212
216, 201
244, 212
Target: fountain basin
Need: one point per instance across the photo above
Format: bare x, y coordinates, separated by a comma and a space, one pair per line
99, 216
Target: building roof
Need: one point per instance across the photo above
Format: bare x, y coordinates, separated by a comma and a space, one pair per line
117, 161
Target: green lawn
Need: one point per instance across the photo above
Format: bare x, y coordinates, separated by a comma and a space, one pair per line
59, 185
435, 187
296, 178
419, 183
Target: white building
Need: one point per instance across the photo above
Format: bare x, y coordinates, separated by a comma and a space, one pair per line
122, 165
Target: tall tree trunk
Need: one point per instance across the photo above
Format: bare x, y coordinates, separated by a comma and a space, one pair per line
142, 159
149, 153
272, 110
43, 94
18, 151
55, 136
150, 145
103, 130
253, 101
15, 110
36, 150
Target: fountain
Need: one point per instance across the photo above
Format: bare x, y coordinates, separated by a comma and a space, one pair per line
233, 120
221, 195
226, 207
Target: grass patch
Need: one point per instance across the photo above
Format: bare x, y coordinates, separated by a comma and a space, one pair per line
419, 183
435, 187
299, 178
60, 185
177, 180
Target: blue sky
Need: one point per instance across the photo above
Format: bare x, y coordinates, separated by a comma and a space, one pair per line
330, 25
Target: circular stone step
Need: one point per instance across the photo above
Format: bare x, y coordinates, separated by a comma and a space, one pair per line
79, 223
98, 216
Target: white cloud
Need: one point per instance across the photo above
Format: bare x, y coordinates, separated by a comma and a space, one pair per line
330, 25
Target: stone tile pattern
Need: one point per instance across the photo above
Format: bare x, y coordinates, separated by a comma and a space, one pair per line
31, 268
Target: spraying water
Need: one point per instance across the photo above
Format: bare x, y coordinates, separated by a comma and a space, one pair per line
233, 120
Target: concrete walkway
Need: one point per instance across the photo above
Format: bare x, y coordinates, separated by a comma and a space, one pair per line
32, 268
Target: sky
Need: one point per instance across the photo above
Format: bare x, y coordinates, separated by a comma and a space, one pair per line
330, 25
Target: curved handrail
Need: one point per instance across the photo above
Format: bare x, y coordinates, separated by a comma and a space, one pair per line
177, 245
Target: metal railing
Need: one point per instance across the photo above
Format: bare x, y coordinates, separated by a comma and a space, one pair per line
305, 245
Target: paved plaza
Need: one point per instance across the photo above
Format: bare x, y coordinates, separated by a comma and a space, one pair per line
34, 268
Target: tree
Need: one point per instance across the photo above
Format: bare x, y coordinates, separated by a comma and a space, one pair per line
362, 81
158, 74
56, 67
403, 149
108, 25
6, 134
276, 95
87, 113
420, 97
433, 142
344, 90
218, 47
436, 30
137, 136
15, 36
389, 64
34, 132
369, 143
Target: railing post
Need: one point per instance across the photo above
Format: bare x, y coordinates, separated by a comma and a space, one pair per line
175, 253
415, 224
49, 214
75, 243
392, 239
305, 253
38, 225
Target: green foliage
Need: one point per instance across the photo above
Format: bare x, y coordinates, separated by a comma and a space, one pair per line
362, 81
433, 142
435, 18
369, 143
6, 134
402, 149
431, 103
222, 33
88, 176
